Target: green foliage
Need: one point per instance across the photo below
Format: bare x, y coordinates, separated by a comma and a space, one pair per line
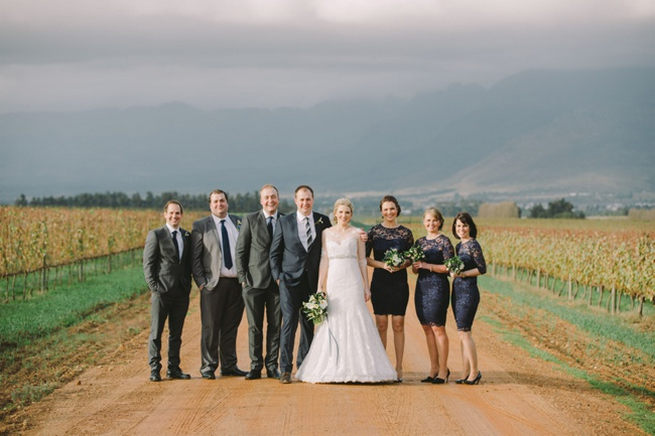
21, 321
598, 324
248, 202
556, 209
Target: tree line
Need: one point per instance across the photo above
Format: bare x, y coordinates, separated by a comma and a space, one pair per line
239, 202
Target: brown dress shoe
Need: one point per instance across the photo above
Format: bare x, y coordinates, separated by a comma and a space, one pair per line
285, 378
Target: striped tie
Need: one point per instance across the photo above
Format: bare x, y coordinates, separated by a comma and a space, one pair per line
308, 231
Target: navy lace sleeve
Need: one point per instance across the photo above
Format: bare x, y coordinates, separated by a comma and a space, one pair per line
476, 254
446, 247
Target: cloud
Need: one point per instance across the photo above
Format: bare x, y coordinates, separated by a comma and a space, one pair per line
81, 53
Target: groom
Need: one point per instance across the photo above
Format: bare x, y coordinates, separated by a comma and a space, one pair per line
295, 256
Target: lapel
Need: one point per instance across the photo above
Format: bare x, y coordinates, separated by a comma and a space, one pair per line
211, 228
168, 243
186, 239
262, 227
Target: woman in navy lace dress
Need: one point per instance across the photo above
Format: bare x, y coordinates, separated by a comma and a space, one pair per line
433, 294
389, 288
466, 295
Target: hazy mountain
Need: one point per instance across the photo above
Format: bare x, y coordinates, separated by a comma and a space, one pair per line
534, 131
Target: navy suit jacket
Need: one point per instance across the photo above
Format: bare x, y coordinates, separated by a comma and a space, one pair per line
289, 259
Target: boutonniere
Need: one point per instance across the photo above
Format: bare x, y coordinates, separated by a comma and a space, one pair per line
186, 234
320, 220
238, 224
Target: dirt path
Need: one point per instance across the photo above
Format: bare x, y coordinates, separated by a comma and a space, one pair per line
518, 395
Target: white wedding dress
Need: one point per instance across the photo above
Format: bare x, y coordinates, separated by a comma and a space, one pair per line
347, 346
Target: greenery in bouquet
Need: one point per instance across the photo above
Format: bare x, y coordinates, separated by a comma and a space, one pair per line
393, 258
415, 253
316, 308
454, 264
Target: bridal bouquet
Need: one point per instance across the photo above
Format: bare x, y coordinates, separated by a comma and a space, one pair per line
454, 264
393, 258
316, 308
415, 253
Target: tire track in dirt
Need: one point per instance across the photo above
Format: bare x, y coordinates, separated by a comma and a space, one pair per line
518, 395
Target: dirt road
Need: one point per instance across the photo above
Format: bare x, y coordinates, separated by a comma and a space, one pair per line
518, 395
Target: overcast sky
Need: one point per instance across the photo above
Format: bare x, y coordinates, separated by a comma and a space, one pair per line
80, 54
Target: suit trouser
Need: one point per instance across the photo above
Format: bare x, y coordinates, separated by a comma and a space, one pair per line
162, 306
258, 301
221, 310
291, 299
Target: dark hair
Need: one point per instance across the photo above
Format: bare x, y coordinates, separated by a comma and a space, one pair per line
465, 218
301, 187
435, 213
392, 199
217, 191
169, 202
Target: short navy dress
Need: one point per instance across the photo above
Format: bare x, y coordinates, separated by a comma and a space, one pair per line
432, 294
466, 295
389, 291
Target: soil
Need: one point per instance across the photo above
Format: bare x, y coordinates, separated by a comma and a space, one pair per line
518, 394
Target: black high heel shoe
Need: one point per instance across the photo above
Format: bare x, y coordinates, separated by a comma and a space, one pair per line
475, 381
428, 379
440, 381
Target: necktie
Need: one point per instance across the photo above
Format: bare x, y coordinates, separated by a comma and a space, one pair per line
269, 225
308, 231
227, 255
177, 247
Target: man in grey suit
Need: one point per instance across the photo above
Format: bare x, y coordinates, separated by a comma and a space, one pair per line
260, 292
221, 305
295, 256
167, 270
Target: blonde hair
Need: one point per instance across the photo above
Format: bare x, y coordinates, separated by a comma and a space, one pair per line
434, 212
342, 202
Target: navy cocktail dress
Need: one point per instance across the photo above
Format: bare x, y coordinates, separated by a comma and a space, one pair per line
466, 295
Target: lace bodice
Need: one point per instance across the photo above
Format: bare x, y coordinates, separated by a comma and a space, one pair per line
345, 249
381, 238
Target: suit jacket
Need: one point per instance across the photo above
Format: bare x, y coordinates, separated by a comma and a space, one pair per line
252, 252
289, 259
206, 254
164, 271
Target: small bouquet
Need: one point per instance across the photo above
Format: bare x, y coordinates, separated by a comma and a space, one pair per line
393, 258
454, 265
415, 253
316, 308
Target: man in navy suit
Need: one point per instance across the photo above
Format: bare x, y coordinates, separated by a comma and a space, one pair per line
167, 270
295, 255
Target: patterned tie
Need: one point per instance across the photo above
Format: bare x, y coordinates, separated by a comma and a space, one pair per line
308, 231
269, 225
227, 254
177, 247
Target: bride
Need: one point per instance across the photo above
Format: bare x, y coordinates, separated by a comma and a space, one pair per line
346, 346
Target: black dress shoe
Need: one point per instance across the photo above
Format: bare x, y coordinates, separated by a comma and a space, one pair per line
273, 373
154, 376
285, 378
178, 374
254, 374
208, 375
233, 371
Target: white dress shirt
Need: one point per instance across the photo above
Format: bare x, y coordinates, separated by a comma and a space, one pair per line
302, 231
178, 236
273, 221
232, 234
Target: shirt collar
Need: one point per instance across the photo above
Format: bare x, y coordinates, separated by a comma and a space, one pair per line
171, 229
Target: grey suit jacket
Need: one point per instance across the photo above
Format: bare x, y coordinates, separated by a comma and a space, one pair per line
289, 259
206, 254
165, 273
252, 252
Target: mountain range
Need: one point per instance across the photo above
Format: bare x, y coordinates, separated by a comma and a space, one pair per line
533, 132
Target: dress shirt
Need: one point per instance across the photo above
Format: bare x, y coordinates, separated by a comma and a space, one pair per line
233, 234
178, 236
273, 221
302, 232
